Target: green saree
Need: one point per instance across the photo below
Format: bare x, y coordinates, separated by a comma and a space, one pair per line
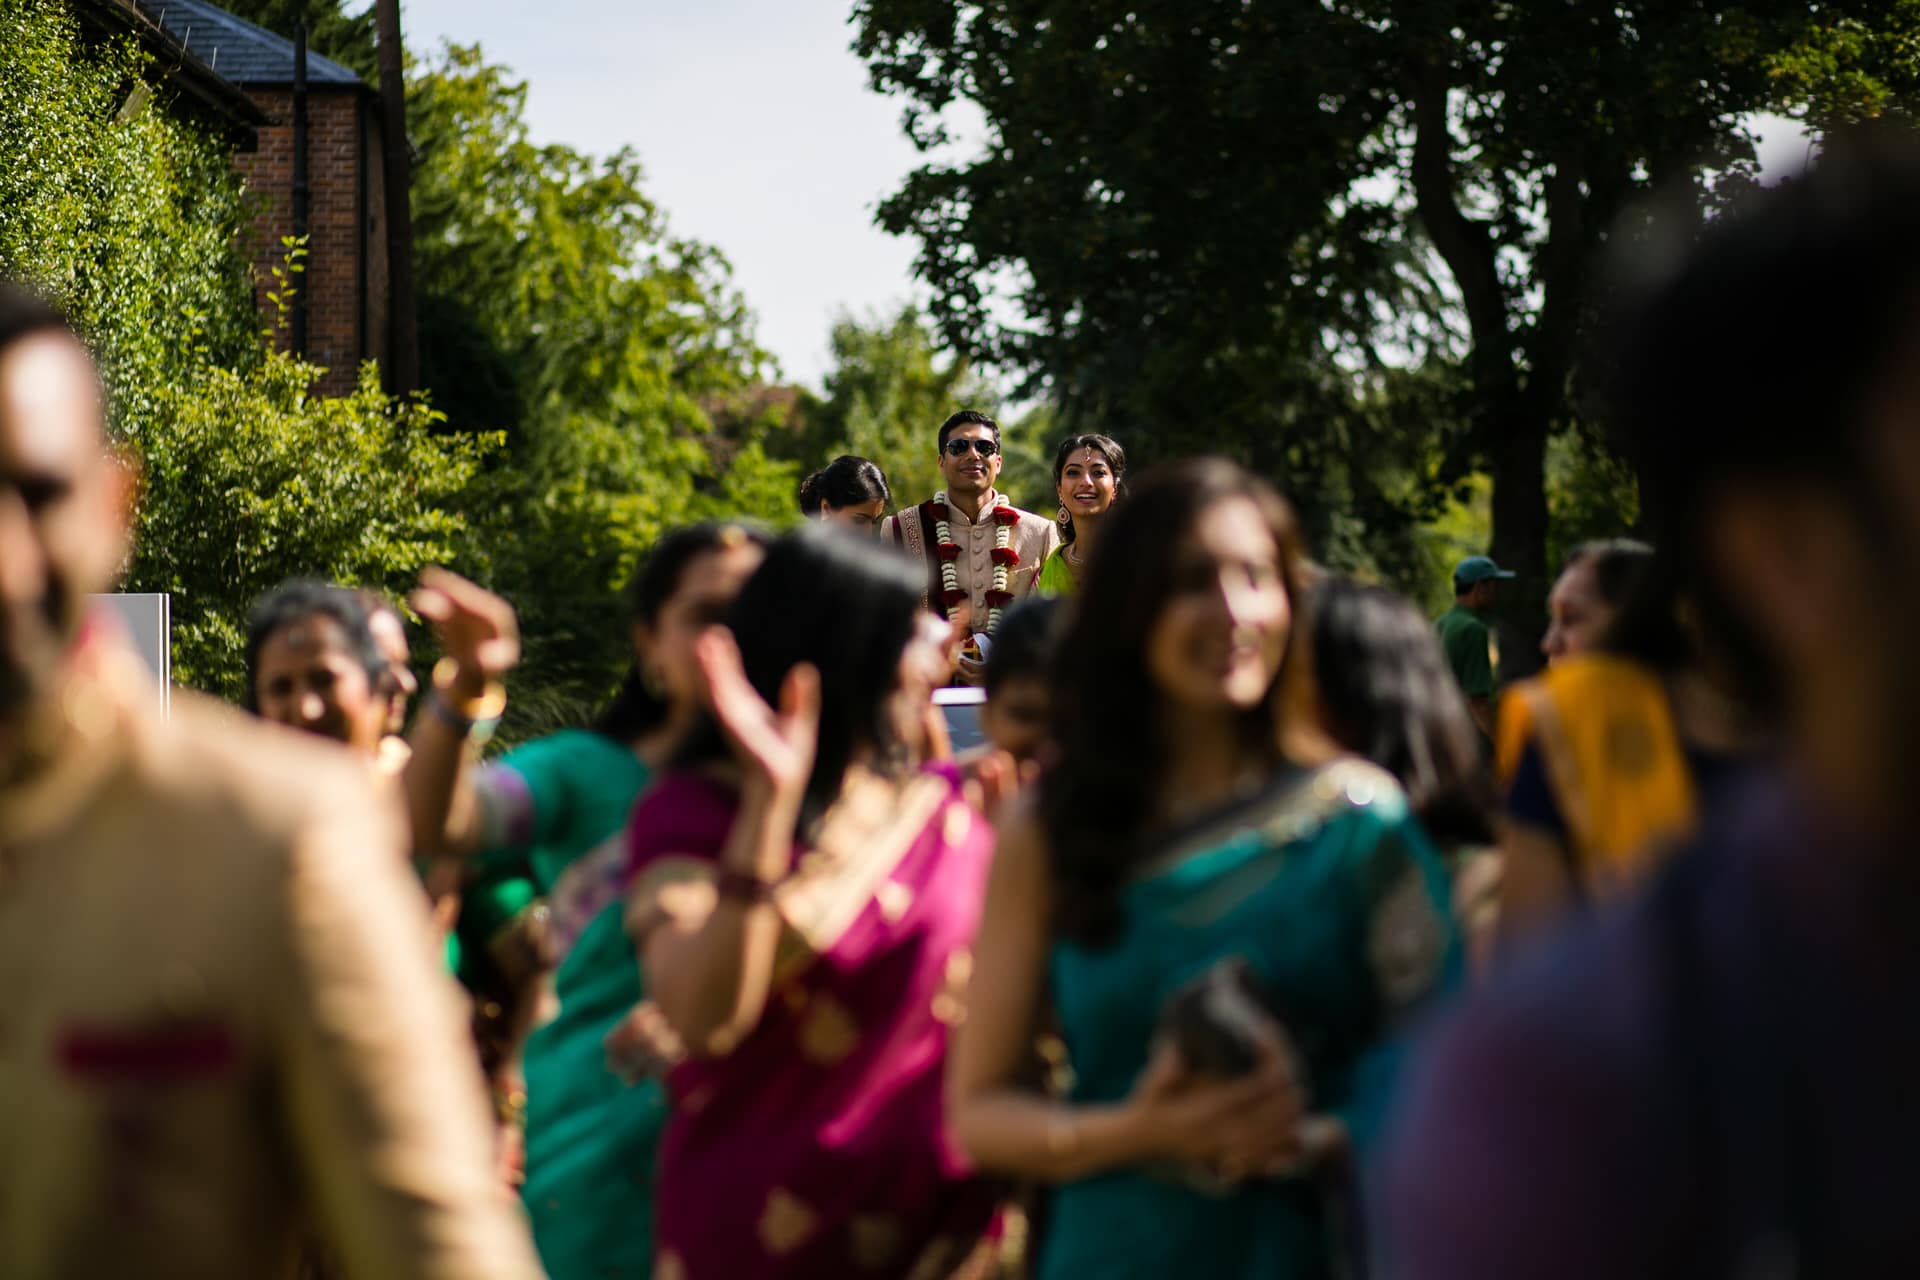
1328, 889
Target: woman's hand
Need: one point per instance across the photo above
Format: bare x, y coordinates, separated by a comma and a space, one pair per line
774, 749
1247, 1126
642, 1044
998, 780
477, 628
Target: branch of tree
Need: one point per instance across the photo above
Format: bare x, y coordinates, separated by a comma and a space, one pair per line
1466, 246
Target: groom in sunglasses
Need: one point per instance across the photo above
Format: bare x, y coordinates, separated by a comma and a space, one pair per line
980, 551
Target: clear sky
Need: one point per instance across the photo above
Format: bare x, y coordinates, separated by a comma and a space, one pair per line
754, 123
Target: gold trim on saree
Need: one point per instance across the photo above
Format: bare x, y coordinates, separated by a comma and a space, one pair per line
862, 841
1291, 808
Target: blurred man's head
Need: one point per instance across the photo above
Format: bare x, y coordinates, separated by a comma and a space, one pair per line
1768, 382
63, 526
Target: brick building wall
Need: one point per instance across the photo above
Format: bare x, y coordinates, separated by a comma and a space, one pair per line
345, 281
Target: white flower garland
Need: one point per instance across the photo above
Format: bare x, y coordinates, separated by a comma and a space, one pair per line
1003, 562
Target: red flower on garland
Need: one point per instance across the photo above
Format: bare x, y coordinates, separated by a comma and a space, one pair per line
954, 595
949, 550
999, 599
938, 510
1004, 555
1005, 515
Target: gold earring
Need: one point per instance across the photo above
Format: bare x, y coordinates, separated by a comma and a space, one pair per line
1063, 518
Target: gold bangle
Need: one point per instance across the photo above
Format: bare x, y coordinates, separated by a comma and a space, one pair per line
488, 705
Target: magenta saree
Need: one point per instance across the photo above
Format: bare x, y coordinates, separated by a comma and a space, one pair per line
817, 1146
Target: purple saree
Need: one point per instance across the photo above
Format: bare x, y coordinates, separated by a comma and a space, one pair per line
817, 1146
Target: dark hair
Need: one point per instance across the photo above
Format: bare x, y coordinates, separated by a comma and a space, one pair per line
846, 605
299, 598
635, 710
24, 314
1025, 643
1757, 354
1108, 448
1618, 566
847, 481
1097, 803
967, 418
1388, 695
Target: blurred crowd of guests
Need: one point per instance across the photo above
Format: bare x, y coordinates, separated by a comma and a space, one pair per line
1267, 934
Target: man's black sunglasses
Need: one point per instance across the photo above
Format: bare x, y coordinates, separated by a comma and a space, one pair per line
958, 448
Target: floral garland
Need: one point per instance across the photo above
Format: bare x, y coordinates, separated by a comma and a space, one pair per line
1005, 558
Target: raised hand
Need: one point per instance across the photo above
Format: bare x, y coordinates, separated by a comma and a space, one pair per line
642, 1044
774, 748
477, 628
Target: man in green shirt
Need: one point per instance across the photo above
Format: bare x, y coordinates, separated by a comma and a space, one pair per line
1465, 634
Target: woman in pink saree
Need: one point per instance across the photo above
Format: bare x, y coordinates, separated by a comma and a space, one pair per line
804, 902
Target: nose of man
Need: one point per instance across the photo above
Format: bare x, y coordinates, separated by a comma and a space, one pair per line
23, 562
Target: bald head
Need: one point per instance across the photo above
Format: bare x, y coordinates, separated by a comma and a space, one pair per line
62, 511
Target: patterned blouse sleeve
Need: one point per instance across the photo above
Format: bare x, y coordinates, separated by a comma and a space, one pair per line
1411, 952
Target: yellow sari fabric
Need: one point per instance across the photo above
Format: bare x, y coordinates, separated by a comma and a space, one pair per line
1604, 730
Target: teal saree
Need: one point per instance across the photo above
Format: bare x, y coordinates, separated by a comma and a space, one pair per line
1325, 885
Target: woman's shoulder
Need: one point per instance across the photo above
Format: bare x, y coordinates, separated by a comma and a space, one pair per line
571, 746
1595, 676
1349, 787
686, 812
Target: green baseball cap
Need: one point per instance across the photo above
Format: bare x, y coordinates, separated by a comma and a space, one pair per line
1477, 569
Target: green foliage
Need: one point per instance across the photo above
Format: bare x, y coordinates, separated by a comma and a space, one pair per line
126, 212
888, 392
1353, 243
248, 479
558, 309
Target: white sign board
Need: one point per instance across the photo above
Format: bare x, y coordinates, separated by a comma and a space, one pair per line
147, 618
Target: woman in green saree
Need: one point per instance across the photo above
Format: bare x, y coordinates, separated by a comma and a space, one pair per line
552, 812
1089, 476
1200, 850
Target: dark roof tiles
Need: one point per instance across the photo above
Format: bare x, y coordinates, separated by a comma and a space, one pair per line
237, 49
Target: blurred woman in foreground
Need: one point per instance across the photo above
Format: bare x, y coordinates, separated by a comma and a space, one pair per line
557, 807
803, 900
1228, 937
1605, 759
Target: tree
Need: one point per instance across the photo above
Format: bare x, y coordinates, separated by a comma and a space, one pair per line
1354, 243
558, 309
248, 480
127, 212
403, 316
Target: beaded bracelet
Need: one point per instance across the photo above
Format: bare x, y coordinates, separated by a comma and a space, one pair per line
741, 887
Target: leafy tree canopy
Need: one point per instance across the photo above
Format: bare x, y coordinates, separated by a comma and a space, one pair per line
1353, 243
559, 309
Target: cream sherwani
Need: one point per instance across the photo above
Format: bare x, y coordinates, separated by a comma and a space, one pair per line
1033, 540
221, 1023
